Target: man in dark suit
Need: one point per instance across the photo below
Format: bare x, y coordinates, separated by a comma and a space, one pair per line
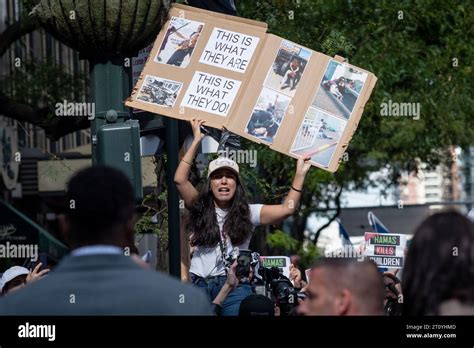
98, 278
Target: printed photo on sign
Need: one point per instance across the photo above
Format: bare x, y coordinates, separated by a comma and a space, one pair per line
339, 90
179, 42
288, 67
318, 136
211, 93
229, 50
158, 91
267, 115
138, 63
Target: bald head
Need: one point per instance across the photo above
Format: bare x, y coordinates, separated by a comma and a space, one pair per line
341, 286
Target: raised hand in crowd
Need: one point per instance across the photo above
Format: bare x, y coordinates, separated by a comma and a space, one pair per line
35, 274
295, 277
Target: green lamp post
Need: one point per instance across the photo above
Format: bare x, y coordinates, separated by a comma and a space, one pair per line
108, 33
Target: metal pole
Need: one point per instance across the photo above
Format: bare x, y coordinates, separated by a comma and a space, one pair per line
174, 242
110, 82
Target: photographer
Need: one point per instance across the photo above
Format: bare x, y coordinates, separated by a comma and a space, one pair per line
221, 218
393, 294
279, 289
17, 277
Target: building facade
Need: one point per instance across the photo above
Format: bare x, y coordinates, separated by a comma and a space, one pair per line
38, 48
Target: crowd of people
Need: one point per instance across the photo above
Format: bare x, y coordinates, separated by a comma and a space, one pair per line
98, 278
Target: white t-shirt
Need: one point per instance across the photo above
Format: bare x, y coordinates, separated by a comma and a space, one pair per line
207, 261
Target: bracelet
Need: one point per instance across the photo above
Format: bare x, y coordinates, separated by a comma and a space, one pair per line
190, 164
295, 189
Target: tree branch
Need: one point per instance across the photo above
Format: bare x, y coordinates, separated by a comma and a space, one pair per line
21, 112
55, 127
15, 31
334, 217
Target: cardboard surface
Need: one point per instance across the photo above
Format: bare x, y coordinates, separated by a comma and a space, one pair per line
265, 88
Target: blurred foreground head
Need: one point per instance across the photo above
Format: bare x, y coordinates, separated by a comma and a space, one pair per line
439, 266
100, 208
341, 286
13, 279
257, 305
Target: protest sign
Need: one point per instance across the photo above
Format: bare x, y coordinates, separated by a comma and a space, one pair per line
138, 63
211, 93
281, 262
204, 61
229, 50
386, 250
231, 73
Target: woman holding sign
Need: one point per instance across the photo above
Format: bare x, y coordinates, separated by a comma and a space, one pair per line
221, 219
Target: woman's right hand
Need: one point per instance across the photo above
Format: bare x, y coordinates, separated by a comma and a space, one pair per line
35, 274
196, 126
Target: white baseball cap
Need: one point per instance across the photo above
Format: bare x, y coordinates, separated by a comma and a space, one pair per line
222, 162
11, 274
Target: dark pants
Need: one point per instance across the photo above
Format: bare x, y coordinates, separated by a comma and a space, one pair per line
212, 286
178, 56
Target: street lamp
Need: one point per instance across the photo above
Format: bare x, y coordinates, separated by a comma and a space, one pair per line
108, 33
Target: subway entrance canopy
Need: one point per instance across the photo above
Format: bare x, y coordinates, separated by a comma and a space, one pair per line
17, 228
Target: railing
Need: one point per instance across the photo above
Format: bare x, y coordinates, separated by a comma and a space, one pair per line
307, 134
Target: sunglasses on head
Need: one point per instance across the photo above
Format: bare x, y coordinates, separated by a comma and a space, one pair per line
218, 176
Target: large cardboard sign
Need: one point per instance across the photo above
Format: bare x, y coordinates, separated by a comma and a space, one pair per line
386, 250
265, 88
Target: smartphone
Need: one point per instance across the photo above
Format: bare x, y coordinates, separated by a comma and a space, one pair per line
243, 263
43, 258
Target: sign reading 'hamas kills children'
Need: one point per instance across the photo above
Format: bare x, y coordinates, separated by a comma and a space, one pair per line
386, 250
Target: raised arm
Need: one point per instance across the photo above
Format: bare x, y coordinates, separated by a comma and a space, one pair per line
181, 178
273, 214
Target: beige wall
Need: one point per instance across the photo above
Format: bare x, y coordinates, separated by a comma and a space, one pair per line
54, 174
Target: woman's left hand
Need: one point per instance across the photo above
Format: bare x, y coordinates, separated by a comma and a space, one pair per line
36, 274
232, 280
302, 166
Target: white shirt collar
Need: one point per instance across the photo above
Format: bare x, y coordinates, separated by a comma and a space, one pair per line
97, 250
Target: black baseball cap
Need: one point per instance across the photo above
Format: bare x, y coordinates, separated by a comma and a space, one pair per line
257, 305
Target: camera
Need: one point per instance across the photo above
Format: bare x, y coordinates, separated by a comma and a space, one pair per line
279, 288
245, 260
268, 281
